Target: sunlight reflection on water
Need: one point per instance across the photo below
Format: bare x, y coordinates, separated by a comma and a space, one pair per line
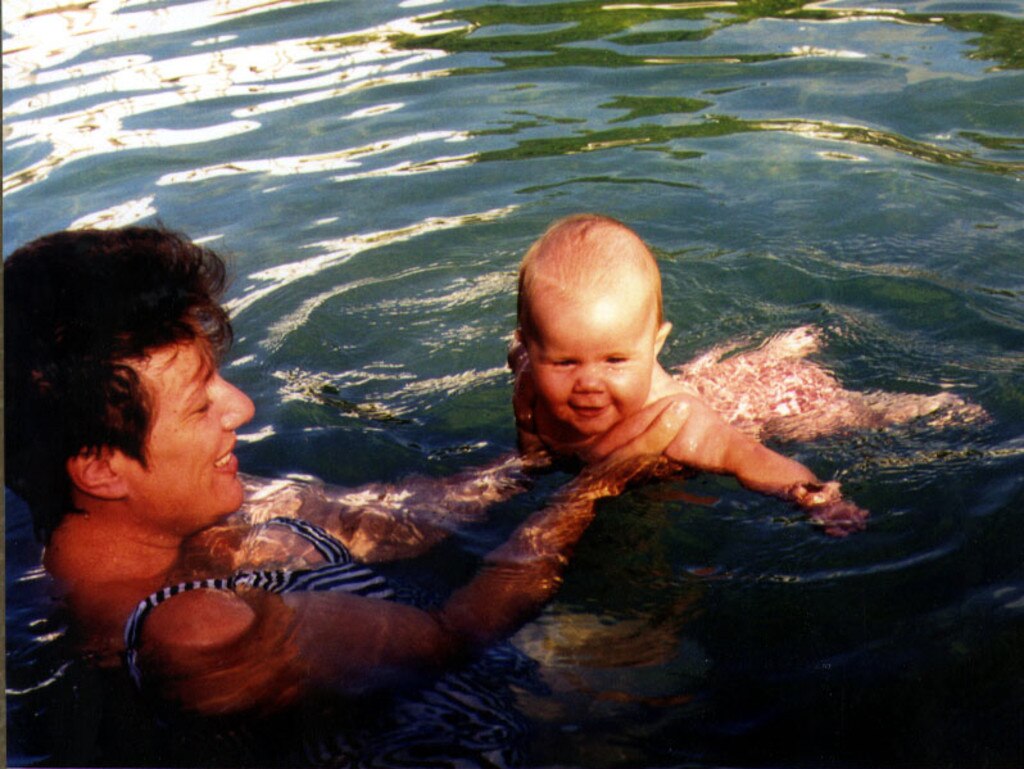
310, 68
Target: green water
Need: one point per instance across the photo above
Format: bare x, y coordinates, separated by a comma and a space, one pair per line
376, 169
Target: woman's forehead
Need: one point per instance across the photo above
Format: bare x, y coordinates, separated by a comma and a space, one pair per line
179, 364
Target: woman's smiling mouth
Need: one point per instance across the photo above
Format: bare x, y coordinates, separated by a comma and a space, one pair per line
224, 461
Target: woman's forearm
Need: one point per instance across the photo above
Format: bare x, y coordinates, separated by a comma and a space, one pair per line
521, 575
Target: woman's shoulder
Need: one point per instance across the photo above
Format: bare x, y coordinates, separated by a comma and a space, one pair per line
199, 620
84, 551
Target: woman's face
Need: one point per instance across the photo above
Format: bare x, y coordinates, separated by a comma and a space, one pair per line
190, 479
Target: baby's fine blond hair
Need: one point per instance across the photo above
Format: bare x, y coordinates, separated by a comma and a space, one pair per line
584, 252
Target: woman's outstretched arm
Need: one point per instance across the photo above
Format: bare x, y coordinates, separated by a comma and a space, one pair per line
219, 652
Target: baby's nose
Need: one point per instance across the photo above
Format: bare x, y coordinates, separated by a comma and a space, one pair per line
587, 380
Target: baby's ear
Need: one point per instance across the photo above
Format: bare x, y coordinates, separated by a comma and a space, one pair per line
516, 351
94, 472
661, 336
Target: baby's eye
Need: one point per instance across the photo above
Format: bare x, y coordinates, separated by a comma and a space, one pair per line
618, 359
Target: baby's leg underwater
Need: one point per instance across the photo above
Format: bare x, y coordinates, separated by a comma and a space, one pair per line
943, 408
774, 391
797, 343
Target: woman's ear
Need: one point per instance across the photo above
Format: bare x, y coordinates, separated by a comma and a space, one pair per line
95, 472
661, 336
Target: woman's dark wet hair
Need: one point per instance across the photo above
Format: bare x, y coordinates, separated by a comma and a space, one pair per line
78, 307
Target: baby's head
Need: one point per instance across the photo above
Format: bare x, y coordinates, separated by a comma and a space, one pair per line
583, 256
590, 317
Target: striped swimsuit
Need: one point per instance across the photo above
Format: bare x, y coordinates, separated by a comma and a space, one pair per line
467, 717
339, 572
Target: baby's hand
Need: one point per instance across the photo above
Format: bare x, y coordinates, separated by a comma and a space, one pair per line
839, 518
827, 508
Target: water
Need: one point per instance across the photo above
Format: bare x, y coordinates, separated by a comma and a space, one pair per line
376, 170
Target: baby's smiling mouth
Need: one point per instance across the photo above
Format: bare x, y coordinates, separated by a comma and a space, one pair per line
588, 412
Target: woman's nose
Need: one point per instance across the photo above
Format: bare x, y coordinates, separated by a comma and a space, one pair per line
238, 407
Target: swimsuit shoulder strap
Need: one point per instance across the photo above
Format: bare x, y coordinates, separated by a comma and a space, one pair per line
326, 544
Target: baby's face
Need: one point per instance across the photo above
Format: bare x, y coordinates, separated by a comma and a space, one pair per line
593, 358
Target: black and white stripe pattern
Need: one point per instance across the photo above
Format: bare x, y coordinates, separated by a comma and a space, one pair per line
330, 548
339, 573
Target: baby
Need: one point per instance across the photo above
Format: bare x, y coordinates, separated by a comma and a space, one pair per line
587, 377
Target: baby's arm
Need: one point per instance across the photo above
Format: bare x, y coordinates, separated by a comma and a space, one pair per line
706, 442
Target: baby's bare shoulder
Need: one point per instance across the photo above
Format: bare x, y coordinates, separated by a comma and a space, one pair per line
664, 385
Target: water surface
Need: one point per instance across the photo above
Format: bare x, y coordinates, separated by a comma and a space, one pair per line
376, 169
